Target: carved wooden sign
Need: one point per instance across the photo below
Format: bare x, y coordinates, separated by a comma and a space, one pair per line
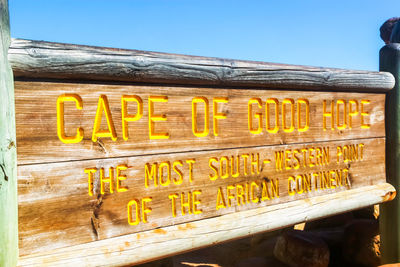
105, 169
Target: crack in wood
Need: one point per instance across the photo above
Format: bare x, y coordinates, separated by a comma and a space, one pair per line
95, 216
4, 172
101, 145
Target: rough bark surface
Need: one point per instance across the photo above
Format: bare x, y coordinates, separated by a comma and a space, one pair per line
44, 60
8, 174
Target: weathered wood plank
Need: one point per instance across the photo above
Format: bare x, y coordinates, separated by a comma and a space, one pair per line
389, 219
35, 59
144, 246
69, 215
8, 157
38, 140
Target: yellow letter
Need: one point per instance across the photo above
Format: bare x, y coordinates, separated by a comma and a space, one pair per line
352, 112
103, 105
220, 200
344, 125
229, 195
137, 217
364, 113
173, 198
150, 174
190, 162
257, 115
144, 209
224, 173
254, 185
121, 177
104, 180
187, 204
307, 125
218, 115
90, 172
215, 169
196, 202
276, 102
60, 118
166, 164
178, 171
290, 188
327, 114
265, 193
126, 117
153, 118
291, 127
206, 129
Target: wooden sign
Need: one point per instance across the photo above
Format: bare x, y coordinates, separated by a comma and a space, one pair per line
112, 171
124, 159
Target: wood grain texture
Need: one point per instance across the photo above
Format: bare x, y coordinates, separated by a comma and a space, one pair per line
389, 219
144, 246
45, 60
37, 120
60, 223
8, 157
55, 209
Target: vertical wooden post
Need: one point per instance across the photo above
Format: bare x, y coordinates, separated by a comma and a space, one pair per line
389, 60
8, 154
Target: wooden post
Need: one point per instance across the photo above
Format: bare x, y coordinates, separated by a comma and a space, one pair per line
8, 155
389, 60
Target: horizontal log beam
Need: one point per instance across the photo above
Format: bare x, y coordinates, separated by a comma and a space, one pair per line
45, 60
8, 153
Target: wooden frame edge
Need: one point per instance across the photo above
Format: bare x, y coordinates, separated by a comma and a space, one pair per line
8, 154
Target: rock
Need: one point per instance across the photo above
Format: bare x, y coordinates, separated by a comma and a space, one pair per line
361, 243
300, 248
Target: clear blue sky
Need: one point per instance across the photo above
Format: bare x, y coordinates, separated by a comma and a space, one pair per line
342, 34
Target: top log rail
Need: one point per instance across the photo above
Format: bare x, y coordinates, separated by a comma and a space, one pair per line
46, 60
